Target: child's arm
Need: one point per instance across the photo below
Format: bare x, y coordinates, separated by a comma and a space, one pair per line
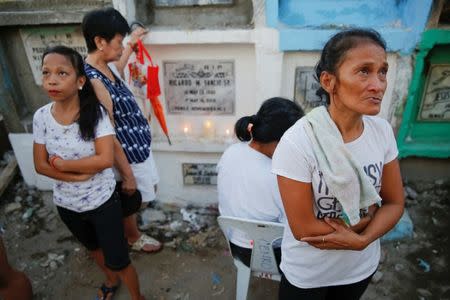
42, 166
102, 159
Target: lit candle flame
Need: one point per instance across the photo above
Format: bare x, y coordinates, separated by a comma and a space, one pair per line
227, 132
185, 129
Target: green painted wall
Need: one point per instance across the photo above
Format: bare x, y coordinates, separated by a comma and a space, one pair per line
419, 137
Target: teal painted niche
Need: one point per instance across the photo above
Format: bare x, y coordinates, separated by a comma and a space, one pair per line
305, 25
418, 136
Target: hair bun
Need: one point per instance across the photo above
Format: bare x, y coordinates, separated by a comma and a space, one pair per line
254, 119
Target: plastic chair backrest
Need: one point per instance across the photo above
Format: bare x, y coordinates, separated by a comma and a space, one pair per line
262, 234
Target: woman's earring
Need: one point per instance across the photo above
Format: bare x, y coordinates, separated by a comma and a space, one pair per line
80, 87
101, 49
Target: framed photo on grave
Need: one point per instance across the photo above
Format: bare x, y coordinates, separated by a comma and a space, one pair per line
305, 89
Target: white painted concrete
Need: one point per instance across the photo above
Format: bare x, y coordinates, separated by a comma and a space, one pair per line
195, 147
22, 144
261, 72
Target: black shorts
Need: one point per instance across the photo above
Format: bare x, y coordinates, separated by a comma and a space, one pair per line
100, 228
130, 204
352, 291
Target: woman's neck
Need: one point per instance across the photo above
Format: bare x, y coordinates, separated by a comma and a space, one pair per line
349, 123
66, 112
265, 148
95, 59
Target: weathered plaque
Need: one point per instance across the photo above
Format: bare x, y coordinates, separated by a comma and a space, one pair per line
199, 174
174, 3
205, 87
37, 40
436, 96
305, 89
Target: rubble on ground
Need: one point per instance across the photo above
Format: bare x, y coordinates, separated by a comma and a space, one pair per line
411, 267
187, 228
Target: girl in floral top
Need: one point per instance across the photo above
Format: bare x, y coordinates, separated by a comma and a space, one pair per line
73, 143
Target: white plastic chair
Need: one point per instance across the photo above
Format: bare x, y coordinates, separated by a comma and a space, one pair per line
263, 263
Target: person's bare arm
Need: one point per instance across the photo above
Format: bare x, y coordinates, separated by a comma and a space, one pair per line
383, 220
120, 159
298, 204
136, 34
393, 203
102, 159
42, 166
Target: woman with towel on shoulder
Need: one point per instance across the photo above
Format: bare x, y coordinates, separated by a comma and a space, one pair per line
338, 175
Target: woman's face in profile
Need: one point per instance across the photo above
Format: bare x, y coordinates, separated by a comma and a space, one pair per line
361, 79
113, 49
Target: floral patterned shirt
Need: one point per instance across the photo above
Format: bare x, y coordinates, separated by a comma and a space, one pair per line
66, 142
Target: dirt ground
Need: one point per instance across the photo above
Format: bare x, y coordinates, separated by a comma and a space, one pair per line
195, 264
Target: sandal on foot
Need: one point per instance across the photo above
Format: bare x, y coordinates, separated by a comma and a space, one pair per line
106, 290
146, 240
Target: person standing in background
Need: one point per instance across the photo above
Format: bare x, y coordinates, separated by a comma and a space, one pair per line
104, 31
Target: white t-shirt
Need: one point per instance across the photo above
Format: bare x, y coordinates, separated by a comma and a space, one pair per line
303, 265
247, 188
66, 142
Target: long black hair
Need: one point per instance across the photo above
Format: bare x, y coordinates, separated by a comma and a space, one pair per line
274, 117
90, 107
337, 46
105, 23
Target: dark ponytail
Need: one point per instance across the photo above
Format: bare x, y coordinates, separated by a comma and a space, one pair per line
90, 107
274, 117
337, 46
241, 127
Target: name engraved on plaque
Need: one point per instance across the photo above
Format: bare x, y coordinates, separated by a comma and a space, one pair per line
205, 87
37, 40
436, 96
199, 174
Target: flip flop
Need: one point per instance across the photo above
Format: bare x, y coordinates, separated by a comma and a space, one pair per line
106, 290
146, 240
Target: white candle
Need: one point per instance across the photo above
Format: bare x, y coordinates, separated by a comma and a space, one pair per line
208, 129
186, 131
228, 138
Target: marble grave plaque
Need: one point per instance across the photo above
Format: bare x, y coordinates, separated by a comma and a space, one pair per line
305, 89
199, 174
200, 87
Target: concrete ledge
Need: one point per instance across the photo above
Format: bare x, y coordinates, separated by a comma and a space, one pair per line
165, 36
46, 12
427, 169
196, 147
